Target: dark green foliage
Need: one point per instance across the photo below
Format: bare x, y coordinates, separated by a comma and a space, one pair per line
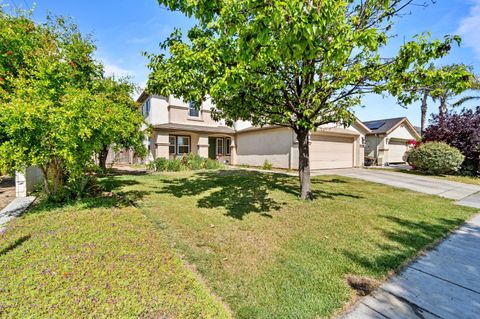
436, 158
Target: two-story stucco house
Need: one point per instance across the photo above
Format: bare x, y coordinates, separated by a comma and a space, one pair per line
179, 128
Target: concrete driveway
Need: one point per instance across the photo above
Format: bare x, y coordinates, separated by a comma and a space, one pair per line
464, 194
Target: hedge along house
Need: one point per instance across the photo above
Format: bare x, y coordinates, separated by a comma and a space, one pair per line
388, 140
181, 128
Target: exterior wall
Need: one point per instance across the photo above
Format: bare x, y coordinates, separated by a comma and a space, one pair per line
158, 111
179, 114
376, 146
274, 145
402, 133
26, 182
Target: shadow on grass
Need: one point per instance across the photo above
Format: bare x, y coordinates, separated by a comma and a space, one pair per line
110, 195
16, 244
408, 238
241, 192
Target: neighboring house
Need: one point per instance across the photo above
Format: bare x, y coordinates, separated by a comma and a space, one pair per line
388, 141
180, 128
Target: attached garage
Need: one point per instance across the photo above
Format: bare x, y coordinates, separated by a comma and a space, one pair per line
396, 151
332, 151
388, 140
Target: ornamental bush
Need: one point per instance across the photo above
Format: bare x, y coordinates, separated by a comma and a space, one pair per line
436, 158
188, 162
461, 130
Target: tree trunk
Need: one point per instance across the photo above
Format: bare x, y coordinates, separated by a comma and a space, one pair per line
424, 108
102, 158
45, 179
443, 106
304, 164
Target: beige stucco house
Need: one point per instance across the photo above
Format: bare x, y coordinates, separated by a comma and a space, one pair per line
388, 140
179, 128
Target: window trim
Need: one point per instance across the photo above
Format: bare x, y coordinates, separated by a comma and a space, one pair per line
220, 139
228, 145
174, 144
191, 107
189, 145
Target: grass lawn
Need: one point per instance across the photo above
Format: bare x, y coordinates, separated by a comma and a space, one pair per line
269, 255
454, 178
93, 260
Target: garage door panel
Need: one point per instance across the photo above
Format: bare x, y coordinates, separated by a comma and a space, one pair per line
396, 151
331, 152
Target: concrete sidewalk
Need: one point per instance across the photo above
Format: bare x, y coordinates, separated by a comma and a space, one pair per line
445, 283
14, 209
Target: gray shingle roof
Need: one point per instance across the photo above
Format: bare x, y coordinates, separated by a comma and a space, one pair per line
383, 126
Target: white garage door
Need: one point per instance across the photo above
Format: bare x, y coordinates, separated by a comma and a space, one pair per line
396, 151
331, 152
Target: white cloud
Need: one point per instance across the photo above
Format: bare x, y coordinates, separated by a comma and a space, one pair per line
113, 69
469, 28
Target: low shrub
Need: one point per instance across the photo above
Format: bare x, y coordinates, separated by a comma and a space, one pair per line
436, 158
185, 163
212, 164
267, 165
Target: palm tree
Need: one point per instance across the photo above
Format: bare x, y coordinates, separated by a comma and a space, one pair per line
475, 86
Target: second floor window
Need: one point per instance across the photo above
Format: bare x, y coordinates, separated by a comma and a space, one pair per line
193, 109
146, 108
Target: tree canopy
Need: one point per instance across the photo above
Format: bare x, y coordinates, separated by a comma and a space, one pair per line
58, 110
299, 64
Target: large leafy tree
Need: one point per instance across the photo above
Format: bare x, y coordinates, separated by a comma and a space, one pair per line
119, 124
296, 63
57, 109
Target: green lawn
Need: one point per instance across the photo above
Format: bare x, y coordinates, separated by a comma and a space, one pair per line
454, 178
269, 255
240, 235
86, 262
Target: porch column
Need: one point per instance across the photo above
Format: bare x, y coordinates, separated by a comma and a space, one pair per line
233, 150
202, 146
161, 144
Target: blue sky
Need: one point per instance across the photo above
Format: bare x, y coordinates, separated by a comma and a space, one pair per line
122, 29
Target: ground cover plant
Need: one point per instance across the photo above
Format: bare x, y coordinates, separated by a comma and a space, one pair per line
93, 259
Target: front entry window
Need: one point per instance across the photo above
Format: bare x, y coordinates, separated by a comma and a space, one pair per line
183, 145
220, 150
173, 144
228, 143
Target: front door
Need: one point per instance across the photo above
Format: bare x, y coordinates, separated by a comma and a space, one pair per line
212, 147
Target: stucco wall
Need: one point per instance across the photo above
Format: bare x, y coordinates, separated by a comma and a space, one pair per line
158, 111
274, 145
402, 132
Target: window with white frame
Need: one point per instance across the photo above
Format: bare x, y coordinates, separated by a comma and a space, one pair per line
220, 150
146, 107
228, 144
183, 145
173, 144
193, 109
